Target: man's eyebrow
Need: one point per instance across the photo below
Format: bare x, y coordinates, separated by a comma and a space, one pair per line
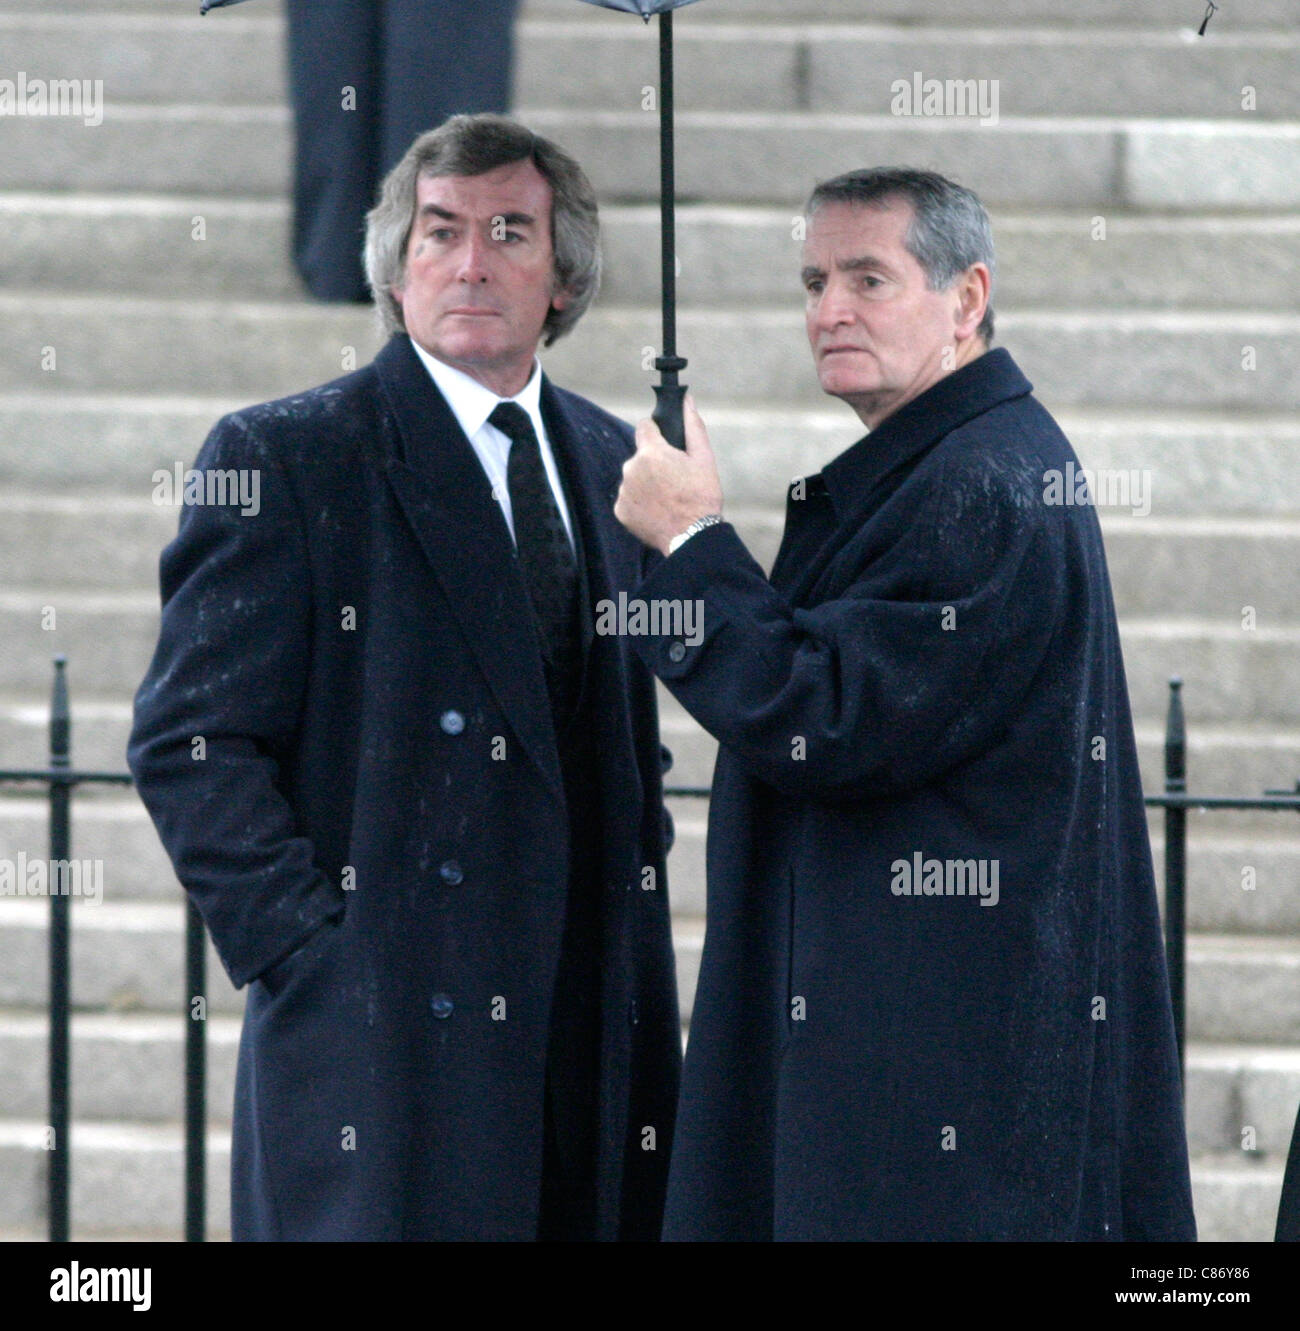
510, 219
854, 265
857, 264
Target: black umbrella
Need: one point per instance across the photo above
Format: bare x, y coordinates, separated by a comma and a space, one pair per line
669, 393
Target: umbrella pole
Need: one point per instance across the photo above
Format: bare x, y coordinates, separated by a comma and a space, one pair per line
669, 394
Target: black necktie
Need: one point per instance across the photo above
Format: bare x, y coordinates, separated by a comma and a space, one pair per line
546, 560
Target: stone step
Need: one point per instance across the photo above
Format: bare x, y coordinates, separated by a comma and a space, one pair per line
258, 350
1219, 898
1236, 675
164, 57
129, 1067
1244, 869
1201, 567
1200, 465
1240, 759
1254, 682
1207, 568
124, 958
145, 245
129, 958
59, 542
569, 60
126, 1179
110, 636
1217, 901
1047, 259
113, 832
1236, 1199
1094, 162
128, 1183
1123, 13
1225, 760
125, 1067
1048, 71
866, 69
1206, 464
1245, 989
1232, 759
1240, 1094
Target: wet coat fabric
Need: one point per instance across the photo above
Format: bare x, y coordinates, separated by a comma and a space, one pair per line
933, 1001
376, 832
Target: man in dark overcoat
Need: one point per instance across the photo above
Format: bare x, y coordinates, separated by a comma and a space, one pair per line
933, 1001
415, 795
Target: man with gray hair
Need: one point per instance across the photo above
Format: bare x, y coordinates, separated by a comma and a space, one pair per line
933, 1001
415, 795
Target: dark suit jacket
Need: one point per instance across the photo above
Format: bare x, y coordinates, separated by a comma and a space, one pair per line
932, 674
378, 799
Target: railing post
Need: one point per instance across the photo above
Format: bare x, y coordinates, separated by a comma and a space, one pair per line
196, 1100
60, 851
1176, 868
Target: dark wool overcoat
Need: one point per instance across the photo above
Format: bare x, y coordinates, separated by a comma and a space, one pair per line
933, 1001
346, 744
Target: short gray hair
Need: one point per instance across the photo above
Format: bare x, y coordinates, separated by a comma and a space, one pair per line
471, 146
949, 230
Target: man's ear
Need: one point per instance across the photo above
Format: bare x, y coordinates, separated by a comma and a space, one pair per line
561, 299
973, 288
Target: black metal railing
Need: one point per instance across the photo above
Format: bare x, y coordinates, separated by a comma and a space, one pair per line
61, 778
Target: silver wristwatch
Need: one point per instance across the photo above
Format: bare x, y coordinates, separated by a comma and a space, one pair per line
708, 520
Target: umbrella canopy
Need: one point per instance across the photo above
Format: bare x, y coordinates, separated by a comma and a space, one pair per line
643, 7
646, 8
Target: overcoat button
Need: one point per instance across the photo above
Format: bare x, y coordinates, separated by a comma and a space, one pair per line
451, 873
676, 651
442, 1006
633, 1016
452, 722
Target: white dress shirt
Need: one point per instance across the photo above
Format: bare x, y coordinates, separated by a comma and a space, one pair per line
471, 403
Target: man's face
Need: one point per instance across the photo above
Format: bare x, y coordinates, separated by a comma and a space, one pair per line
480, 272
879, 335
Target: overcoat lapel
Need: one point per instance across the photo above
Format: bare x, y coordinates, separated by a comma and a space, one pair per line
444, 492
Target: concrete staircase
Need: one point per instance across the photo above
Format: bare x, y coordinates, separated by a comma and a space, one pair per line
1108, 111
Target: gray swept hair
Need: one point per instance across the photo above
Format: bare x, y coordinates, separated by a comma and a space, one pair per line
949, 230
470, 146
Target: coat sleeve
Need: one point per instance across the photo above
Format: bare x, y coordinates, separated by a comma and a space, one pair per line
650, 560
219, 706
918, 665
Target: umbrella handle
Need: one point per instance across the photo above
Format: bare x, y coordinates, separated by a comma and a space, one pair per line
668, 414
